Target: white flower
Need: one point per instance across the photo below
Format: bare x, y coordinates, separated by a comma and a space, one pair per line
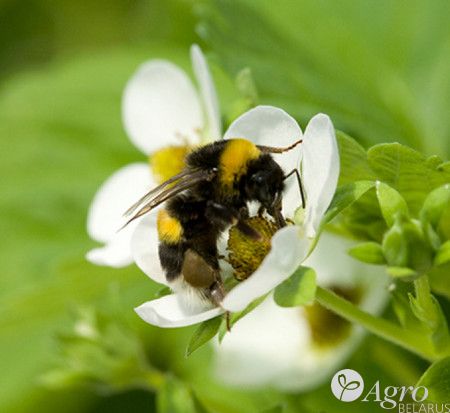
160, 108
274, 346
263, 125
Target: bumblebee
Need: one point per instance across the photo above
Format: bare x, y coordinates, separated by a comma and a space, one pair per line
210, 194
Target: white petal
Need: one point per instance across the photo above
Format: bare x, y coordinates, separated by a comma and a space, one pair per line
207, 93
160, 105
116, 253
144, 248
271, 126
289, 249
105, 214
114, 197
320, 167
167, 312
273, 346
262, 347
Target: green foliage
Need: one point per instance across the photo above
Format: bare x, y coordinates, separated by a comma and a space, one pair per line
369, 252
175, 397
298, 289
359, 62
102, 352
443, 254
392, 204
345, 196
407, 171
437, 380
204, 332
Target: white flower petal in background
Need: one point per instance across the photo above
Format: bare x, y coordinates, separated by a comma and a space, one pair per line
105, 215
167, 312
272, 346
320, 169
213, 123
160, 105
116, 253
271, 126
289, 249
144, 247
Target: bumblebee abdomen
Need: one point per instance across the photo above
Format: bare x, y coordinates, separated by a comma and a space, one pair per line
170, 230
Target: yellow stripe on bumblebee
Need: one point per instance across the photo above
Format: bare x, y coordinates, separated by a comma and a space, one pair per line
235, 158
169, 228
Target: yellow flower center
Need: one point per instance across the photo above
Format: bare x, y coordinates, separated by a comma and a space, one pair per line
245, 253
168, 162
327, 328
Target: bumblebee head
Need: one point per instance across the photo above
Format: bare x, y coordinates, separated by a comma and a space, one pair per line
264, 181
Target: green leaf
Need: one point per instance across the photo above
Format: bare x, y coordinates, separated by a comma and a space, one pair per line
298, 289
353, 160
391, 202
440, 280
175, 397
369, 252
431, 316
431, 236
395, 248
437, 380
204, 332
435, 203
345, 196
163, 291
372, 89
407, 171
402, 272
443, 255
420, 251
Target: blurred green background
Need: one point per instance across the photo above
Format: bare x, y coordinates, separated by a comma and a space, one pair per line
378, 68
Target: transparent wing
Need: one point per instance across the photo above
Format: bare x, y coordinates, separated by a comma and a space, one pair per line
168, 189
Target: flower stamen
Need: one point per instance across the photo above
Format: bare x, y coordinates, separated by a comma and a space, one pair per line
246, 253
327, 328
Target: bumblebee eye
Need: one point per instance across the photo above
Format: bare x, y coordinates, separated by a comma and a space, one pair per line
258, 178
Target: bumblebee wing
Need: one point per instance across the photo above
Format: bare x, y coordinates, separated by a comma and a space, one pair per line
155, 191
181, 182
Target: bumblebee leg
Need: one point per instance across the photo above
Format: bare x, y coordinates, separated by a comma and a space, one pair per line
275, 211
300, 185
261, 211
223, 216
228, 320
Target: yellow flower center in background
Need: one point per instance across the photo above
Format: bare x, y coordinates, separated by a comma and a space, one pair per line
327, 328
168, 162
245, 253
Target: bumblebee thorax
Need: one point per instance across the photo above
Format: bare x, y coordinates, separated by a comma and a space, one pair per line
234, 160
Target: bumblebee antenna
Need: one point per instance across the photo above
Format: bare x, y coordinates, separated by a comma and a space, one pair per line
274, 149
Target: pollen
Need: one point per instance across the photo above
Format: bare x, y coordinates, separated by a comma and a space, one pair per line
327, 328
168, 162
245, 253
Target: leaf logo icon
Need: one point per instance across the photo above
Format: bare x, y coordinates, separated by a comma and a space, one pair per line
347, 385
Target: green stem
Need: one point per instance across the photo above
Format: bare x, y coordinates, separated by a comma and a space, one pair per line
379, 326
